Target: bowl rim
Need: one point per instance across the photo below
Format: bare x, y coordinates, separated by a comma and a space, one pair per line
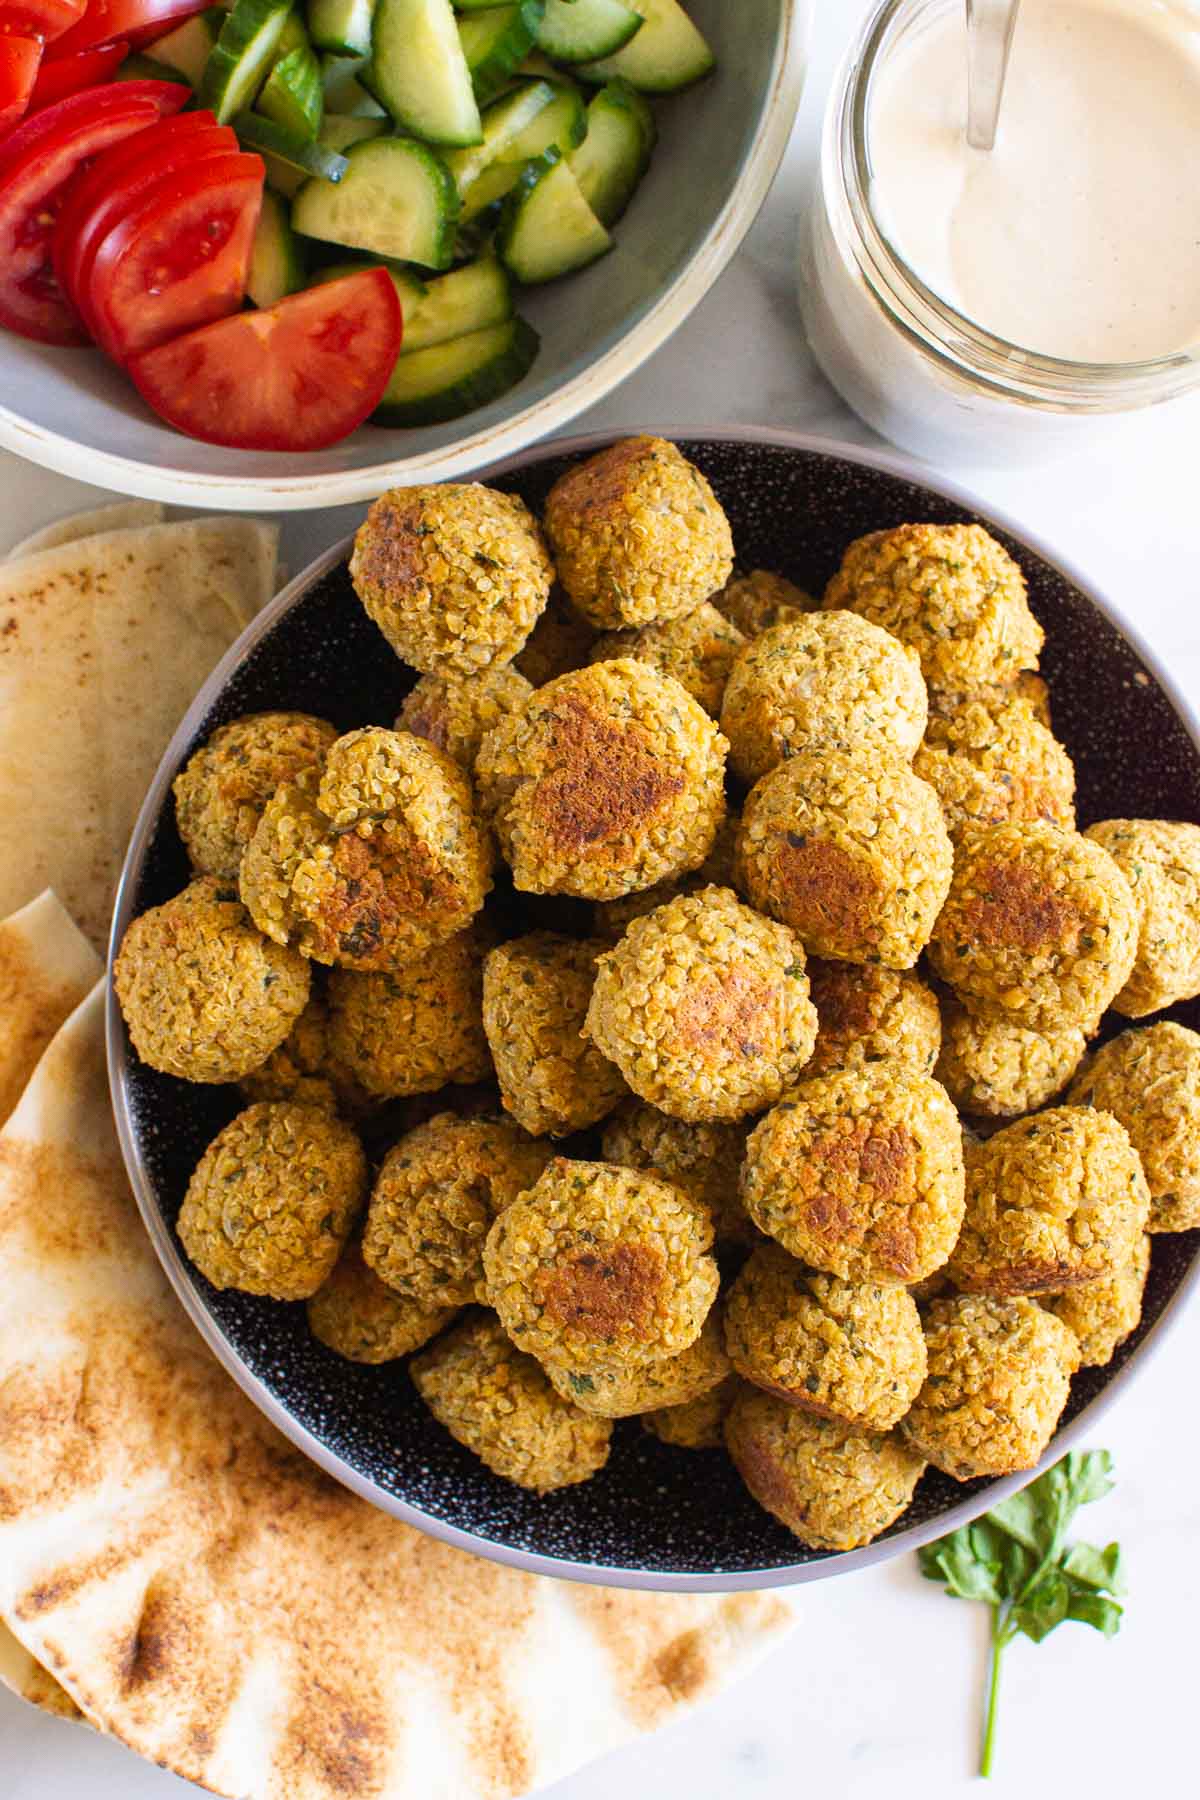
533, 421
535, 1562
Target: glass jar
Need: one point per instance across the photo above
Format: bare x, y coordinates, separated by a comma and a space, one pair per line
922, 373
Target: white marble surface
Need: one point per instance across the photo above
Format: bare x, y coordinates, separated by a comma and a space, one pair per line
876, 1691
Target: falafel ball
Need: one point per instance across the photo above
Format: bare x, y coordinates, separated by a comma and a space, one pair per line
273, 1199
703, 1006
501, 1406
637, 534
834, 1487
364, 1320
697, 1424
860, 1174
434, 1200
454, 576
827, 680
756, 601
1039, 926
1160, 859
1054, 1201
601, 1268
700, 1156
608, 780
1026, 685
851, 852
999, 1375
952, 592
452, 712
223, 787
866, 1013
371, 859
698, 649
535, 999
989, 764
994, 1068
1103, 1315
620, 1393
560, 642
305, 1069
204, 995
412, 1029
1150, 1081
849, 1351
611, 919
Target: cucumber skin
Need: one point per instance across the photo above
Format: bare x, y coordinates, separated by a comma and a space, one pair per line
247, 24
553, 45
311, 159
469, 394
491, 79
292, 94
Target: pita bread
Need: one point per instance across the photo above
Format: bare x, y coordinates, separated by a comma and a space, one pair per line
121, 515
207, 1595
47, 967
29, 1681
103, 644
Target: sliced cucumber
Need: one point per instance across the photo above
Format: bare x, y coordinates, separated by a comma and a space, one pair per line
344, 92
338, 132
475, 236
275, 266
291, 37
538, 67
292, 94
548, 228
667, 53
613, 156
397, 199
341, 25
188, 48
442, 382
502, 122
241, 56
144, 68
305, 158
420, 73
580, 30
468, 299
560, 125
494, 42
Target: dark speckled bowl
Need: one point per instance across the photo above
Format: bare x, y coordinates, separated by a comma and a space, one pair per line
654, 1517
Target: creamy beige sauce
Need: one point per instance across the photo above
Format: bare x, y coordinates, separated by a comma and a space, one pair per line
1079, 235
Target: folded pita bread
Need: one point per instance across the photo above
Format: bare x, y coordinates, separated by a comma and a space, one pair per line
47, 967
29, 1681
208, 1596
121, 515
103, 644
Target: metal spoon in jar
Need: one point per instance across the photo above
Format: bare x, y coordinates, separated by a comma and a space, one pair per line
989, 38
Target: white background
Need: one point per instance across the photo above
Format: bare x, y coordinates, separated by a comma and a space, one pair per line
876, 1691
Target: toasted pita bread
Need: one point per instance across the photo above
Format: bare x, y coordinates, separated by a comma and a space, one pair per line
29, 1681
207, 1595
121, 515
47, 967
103, 644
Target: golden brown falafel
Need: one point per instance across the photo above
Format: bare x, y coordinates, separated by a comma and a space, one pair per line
536, 991
413, 1028
1150, 1081
223, 787
866, 1013
1160, 859
364, 1320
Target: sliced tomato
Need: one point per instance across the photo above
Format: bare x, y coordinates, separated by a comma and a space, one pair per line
63, 75
133, 22
19, 59
44, 19
31, 194
297, 376
179, 257
101, 194
35, 134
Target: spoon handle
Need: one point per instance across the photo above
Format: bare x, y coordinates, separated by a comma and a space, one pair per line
989, 39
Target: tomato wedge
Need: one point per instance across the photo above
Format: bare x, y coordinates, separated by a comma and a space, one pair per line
19, 59
134, 22
63, 75
297, 376
44, 19
33, 134
179, 257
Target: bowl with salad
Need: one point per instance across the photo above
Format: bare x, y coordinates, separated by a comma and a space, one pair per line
288, 252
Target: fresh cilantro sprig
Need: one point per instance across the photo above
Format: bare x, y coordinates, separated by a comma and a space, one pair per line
1017, 1561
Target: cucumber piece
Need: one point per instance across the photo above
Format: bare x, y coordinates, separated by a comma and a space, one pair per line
144, 68
475, 237
538, 67
301, 155
344, 92
275, 266
397, 199
341, 25
241, 56
468, 299
494, 42
667, 53
291, 37
419, 71
446, 380
188, 48
338, 132
560, 126
502, 122
292, 94
548, 228
616, 151
580, 30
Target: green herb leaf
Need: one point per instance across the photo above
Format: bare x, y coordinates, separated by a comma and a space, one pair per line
1096, 1610
954, 1562
1043, 1606
1099, 1569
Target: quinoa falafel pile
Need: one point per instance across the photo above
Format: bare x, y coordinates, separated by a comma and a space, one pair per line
829, 1010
